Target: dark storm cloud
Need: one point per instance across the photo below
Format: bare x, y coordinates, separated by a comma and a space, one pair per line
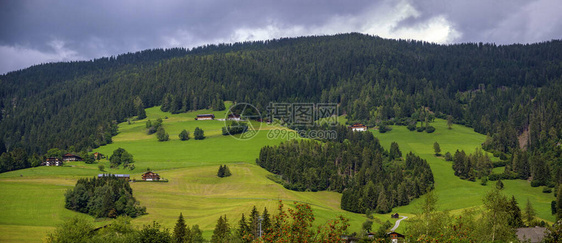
37, 31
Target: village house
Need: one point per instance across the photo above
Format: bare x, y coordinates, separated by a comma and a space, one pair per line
358, 127
71, 157
395, 216
123, 176
150, 176
52, 161
205, 117
396, 237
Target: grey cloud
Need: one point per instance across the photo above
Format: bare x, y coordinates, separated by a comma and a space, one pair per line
89, 29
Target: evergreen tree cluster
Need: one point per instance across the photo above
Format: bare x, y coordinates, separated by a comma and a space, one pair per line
501, 90
107, 196
356, 165
224, 171
18, 159
235, 127
472, 167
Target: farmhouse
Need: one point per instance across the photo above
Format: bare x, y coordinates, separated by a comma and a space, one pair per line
358, 127
395, 216
395, 237
124, 176
52, 161
150, 176
71, 157
205, 117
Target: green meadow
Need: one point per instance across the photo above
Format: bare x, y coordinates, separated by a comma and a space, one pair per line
455, 194
33, 199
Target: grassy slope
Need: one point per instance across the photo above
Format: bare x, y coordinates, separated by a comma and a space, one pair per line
455, 194
33, 198
191, 168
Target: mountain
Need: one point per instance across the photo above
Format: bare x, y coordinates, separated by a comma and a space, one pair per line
503, 91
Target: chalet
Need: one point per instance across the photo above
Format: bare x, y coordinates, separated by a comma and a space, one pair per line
395, 237
395, 216
52, 161
205, 117
150, 176
71, 157
232, 117
358, 127
535, 234
123, 176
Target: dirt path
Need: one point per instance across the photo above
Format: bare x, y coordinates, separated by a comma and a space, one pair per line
397, 223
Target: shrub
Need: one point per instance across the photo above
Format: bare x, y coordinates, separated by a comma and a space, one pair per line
547, 190
448, 157
420, 129
411, 127
383, 128
430, 129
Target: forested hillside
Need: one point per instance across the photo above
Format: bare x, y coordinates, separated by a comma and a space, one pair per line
370, 178
500, 90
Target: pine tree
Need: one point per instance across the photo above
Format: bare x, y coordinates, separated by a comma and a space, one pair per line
181, 232
266, 222
559, 203
222, 231
227, 171
141, 113
529, 213
196, 234
254, 222
243, 230
220, 173
514, 218
394, 152
449, 121
383, 206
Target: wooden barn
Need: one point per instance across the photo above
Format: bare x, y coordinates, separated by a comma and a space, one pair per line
205, 117
150, 176
71, 157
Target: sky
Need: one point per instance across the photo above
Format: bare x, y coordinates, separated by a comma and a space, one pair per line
40, 31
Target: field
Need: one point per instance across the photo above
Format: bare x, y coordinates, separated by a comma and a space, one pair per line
455, 194
33, 199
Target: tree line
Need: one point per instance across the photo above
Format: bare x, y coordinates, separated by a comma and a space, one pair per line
370, 178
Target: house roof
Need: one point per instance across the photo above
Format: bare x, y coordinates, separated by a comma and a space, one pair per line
205, 115
395, 233
535, 234
358, 125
